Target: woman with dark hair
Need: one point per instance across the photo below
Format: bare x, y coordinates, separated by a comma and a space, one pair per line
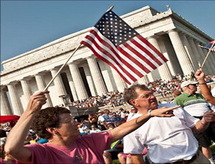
65, 145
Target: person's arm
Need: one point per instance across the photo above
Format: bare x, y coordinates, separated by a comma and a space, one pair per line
15, 140
200, 76
203, 124
137, 159
130, 126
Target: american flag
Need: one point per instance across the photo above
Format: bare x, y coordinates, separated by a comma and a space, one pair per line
116, 43
210, 45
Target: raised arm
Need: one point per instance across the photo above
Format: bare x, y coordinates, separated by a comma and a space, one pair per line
130, 126
200, 76
15, 140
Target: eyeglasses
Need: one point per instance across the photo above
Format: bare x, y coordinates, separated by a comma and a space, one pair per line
146, 96
67, 120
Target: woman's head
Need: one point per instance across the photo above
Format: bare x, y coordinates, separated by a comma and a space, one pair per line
47, 118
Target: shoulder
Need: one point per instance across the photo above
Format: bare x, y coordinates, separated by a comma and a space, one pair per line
167, 105
182, 96
132, 116
95, 136
39, 146
100, 140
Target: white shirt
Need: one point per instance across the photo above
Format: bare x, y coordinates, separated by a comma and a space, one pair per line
213, 94
168, 139
197, 109
130, 116
95, 131
101, 118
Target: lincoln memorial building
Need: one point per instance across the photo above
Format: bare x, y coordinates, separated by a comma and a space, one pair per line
85, 75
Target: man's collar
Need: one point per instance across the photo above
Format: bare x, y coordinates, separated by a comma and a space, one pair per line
193, 94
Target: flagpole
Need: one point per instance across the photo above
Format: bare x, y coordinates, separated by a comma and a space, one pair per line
207, 55
110, 8
61, 68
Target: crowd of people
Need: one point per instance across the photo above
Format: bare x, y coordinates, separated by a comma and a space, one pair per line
52, 135
163, 88
113, 98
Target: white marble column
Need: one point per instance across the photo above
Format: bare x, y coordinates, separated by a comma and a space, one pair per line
15, 101
165, 53
79, 84
60, 90
181, 53
195, 52
90, 80
96, 75
150, 77
26, 91
41, 86
143, 80
105, 70
154, 75
188, 48
163, 70
5, 106
59, 86
120, 83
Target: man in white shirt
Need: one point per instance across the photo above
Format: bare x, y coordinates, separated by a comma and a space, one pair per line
167, 140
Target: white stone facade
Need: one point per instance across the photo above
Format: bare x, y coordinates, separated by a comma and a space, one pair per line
85, 75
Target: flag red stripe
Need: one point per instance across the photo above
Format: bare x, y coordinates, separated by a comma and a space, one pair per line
152, 47
139, 55
111, 49
135, 71
154, 58
107, 53
123, 51
105, 60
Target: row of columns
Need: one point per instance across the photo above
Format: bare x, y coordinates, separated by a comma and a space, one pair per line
187, 52
189, 55
78, 89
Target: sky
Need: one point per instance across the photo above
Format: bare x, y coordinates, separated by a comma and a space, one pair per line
26, 25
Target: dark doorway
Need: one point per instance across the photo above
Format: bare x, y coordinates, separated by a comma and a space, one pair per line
66, 85
83, 76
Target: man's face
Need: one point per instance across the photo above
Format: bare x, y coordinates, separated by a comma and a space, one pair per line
192, 88
145, 100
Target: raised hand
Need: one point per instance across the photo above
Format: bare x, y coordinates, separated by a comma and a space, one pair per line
164, 111
200, 75
37, 100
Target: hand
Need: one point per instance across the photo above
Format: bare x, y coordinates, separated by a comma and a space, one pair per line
200, 75
37, 100
208, 116
164, 111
